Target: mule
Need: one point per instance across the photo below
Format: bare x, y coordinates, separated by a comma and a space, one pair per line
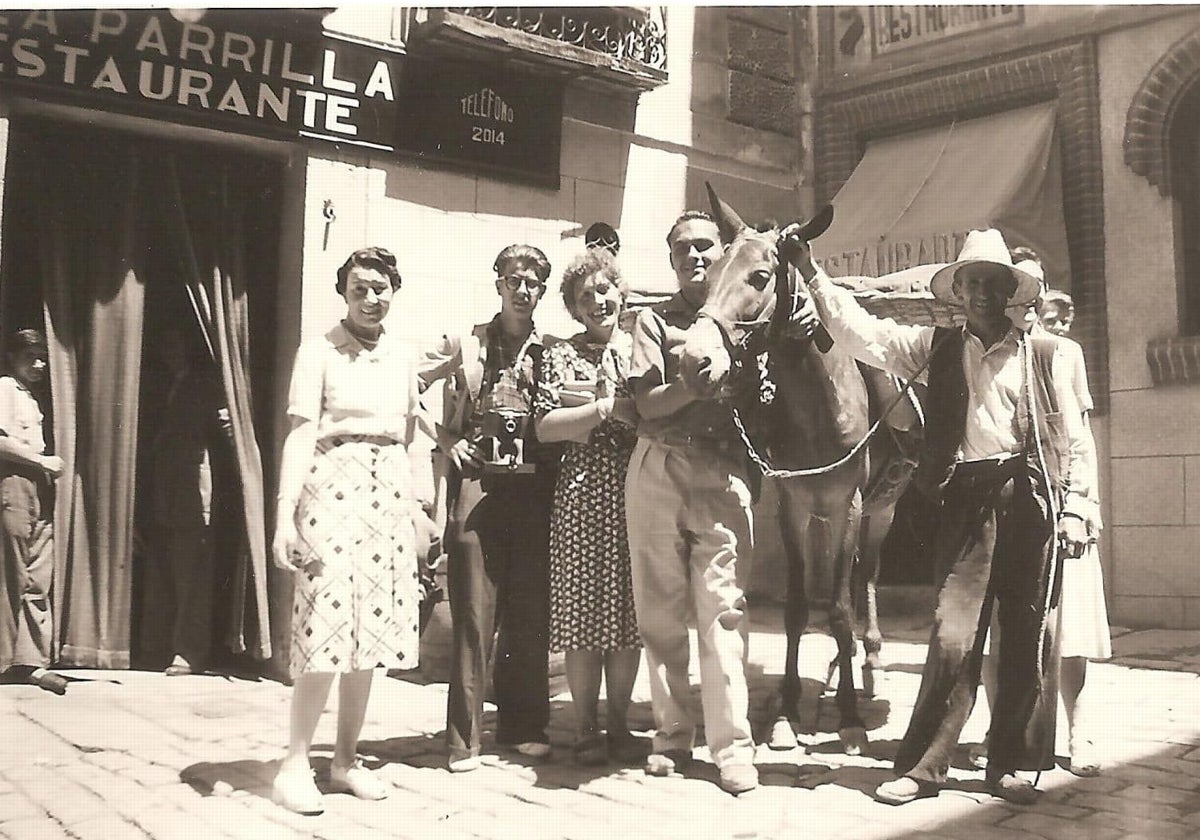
815, 434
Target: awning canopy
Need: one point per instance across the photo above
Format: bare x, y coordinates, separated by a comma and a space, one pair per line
912, 199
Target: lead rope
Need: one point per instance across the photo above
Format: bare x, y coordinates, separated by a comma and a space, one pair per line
771, 472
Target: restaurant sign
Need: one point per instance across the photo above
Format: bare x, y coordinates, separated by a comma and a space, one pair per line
896, 28
228, 71
890, 256
496, 120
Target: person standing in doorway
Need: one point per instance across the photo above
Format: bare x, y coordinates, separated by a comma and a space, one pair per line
690, 534
27, 476
500, 489
189, 474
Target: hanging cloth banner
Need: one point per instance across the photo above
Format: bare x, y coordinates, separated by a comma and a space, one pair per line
913, 198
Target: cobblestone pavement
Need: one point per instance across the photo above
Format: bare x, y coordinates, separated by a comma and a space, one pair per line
135, 755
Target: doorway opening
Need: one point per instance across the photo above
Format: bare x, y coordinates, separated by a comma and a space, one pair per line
151, 265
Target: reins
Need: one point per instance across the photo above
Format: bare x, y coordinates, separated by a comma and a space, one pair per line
772, 472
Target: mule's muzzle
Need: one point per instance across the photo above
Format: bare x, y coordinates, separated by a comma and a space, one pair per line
704, 362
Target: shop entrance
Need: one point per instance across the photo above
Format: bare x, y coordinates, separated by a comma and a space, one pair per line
151, 265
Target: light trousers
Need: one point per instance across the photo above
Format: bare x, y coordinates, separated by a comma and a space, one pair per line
691, 543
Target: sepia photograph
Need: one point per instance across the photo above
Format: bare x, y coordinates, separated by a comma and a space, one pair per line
681, 422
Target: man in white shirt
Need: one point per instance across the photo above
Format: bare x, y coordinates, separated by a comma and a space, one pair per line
1006, 455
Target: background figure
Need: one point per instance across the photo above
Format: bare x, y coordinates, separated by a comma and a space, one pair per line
498, 525
344, 525
583, 397
26, 529
189, 477
602, 235
1081, 620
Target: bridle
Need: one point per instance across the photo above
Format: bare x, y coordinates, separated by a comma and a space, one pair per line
787, 304
749, 338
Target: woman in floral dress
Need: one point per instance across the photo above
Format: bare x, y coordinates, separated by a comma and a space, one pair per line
583, 399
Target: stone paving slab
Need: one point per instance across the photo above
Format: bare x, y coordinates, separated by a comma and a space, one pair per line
139, 755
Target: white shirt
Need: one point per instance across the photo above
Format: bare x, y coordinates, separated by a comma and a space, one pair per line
20, 414
349, 390
995, 377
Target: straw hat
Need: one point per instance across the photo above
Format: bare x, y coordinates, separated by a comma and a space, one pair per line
984, 246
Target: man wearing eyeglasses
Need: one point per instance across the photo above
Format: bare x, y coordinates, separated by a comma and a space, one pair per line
688, 511
500, 485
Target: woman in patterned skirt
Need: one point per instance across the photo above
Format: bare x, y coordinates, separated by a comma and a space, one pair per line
345, 525
583, 399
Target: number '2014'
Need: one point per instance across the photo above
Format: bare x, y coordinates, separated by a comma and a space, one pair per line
482, 134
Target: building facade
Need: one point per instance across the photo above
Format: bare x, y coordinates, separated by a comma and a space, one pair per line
206, 172
1074, 129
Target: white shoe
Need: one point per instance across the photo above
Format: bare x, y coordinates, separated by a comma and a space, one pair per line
297, 792
359, 781
465, 764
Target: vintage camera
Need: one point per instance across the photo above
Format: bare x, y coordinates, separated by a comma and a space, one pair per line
503, 431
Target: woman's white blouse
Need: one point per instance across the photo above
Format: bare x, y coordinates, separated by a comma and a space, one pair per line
350, 390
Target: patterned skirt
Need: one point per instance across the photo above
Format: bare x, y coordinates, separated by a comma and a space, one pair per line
357, 600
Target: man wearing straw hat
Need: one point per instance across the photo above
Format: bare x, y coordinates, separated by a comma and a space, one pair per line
1005, 454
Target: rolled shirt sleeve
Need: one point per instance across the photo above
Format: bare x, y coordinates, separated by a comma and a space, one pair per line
647, 361
439, 361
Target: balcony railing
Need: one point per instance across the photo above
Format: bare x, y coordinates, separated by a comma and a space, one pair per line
622, 45
636, 34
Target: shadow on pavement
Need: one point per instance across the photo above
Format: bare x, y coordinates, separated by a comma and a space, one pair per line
222, 778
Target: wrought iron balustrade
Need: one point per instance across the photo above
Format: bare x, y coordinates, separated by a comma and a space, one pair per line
623, 32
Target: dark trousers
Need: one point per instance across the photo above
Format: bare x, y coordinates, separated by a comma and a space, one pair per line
992, 546
179, 594
498, 543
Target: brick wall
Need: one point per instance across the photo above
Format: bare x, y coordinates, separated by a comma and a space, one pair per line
1065, 73
1147, 124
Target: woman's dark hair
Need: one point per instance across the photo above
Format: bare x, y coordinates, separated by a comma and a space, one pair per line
591, 262
522, 256
380, 259
23, 340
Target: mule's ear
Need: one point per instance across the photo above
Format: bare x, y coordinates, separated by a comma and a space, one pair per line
729, 223
818, 224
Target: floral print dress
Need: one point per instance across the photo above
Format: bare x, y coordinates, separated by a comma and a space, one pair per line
591, 588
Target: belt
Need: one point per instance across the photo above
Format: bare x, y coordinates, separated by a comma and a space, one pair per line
710, 444
985, 468
374, 440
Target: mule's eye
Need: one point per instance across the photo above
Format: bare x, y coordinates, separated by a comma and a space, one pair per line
759, 279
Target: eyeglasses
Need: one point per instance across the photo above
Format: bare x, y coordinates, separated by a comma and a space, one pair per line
512, 282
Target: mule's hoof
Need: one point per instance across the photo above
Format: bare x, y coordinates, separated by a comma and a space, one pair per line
854, 739
783, 737
868, 689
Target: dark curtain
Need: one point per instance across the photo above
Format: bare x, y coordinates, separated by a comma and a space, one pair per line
205, 220
92, 248
109, 210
